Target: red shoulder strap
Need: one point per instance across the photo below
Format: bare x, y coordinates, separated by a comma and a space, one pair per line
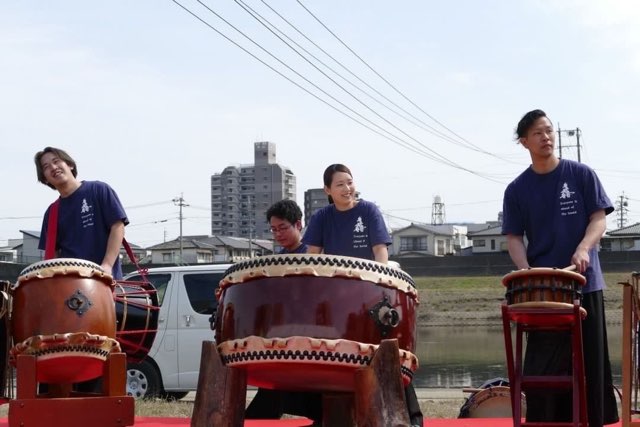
52, 231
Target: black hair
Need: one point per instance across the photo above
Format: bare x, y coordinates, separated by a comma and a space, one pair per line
330, 171
285, 209
62, 155
527, 121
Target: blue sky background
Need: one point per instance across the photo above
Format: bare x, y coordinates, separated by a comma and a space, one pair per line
150, 100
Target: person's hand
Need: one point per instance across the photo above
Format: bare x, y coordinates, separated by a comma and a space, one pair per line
108, 268
580, 259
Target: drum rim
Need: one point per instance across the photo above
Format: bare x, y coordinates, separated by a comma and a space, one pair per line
543, 271
328, 265
62, 266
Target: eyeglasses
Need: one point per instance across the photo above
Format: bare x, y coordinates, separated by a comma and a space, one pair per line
281, 228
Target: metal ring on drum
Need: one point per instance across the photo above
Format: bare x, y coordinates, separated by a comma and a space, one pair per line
63, 313
306, 322
543, 287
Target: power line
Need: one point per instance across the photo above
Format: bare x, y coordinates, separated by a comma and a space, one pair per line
380, 76
397, 140
421, 124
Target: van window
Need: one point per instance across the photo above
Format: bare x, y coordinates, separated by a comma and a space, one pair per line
159, 281
201, 290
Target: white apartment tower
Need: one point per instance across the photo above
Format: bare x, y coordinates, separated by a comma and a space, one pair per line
241, 194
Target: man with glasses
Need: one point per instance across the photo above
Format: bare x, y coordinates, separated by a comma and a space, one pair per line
285, 218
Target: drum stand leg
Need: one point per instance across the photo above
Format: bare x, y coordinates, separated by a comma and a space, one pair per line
549, 319
222, 392
111, 408
379, 392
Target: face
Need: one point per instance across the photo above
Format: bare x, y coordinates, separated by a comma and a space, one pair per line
540, 139
56, 171
342, 190
286, 234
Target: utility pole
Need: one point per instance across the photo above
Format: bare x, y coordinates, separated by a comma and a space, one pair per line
571, 132
250, 209
179, 201
622, 210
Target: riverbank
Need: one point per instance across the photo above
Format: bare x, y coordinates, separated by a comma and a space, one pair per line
475, 301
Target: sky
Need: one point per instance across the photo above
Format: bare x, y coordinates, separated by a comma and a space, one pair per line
153, 101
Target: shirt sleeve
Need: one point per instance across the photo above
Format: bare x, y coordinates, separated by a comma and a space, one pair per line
379, 233
512, 219
313, 233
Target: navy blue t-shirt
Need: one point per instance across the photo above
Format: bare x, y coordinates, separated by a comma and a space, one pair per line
84, 223
349, 233
552, 210
302, 249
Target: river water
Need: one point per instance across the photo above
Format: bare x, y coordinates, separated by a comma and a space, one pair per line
456, 357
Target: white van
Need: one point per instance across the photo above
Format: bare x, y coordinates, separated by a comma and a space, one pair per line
186, 296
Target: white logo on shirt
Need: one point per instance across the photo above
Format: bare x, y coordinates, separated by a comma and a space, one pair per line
85, 207
565, 193
359, 226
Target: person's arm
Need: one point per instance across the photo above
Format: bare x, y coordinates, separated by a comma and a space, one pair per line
517, 251
314, 249
593, 234
113, 246
381, 253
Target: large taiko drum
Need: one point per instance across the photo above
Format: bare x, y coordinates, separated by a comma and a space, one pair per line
543, 287
137, 312
63, 313
307, 322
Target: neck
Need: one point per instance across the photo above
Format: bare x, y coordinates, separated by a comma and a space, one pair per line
68, 188
544, 165
346, 206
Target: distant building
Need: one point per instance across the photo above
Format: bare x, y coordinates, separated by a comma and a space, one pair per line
241, 195
201, 249
488, 239
431, 240
27, 252
314, 199
623, 239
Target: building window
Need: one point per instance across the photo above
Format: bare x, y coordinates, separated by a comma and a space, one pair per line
413, 243
479, 243
493, 244
167, 257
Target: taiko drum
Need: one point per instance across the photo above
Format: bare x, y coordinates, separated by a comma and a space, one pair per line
63, 313
306, 322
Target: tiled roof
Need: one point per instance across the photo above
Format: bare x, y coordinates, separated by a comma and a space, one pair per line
629, 230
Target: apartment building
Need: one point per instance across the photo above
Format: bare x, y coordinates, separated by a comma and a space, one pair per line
241, 194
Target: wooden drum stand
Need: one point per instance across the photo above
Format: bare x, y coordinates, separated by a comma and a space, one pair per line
544, 299
630, 358
377, 401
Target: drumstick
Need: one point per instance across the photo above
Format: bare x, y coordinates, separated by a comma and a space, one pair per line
572, 267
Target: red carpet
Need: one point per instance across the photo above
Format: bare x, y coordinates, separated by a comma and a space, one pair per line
184, 422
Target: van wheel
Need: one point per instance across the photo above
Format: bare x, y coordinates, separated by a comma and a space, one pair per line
143, 380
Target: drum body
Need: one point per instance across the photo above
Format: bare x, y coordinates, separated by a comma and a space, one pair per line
305, 322
542, 284
62, 308
137, 313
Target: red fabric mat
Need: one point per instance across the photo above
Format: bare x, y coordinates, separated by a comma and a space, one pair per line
184, 422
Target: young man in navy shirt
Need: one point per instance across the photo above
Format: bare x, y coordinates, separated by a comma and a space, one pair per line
560, 206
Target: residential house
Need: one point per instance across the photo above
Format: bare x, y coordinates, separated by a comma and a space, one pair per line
488, 239
27, 252
431, 240
204, 249
623, 239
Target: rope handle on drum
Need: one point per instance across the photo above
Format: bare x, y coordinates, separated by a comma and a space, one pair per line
52, 231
